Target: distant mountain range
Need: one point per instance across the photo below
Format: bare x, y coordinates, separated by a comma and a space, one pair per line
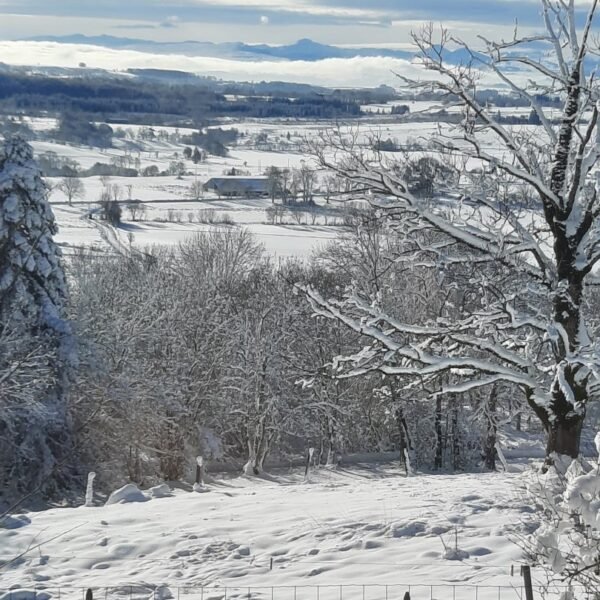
305, 49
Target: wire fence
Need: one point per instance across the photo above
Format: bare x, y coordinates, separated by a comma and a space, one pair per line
398, 591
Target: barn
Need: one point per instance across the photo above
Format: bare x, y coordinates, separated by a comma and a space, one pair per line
238, 186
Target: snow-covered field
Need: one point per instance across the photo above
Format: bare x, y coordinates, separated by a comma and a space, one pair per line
366, 526
171, 216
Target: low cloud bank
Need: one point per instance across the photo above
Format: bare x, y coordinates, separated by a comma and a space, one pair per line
332, 72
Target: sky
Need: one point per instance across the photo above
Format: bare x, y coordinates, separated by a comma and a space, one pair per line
342, 22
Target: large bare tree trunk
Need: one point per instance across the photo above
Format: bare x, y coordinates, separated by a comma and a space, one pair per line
569, 393
564, 436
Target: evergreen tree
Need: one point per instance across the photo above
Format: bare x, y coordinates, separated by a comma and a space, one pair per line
196, 156
36, 344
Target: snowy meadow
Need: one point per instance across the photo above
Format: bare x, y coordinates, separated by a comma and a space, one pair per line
266, 341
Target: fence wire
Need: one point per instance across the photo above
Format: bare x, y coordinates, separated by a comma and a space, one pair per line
396, 591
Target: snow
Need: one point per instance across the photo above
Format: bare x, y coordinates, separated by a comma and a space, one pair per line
361, 526
160, 491
128, 493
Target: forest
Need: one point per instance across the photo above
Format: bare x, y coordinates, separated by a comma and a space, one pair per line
154, 102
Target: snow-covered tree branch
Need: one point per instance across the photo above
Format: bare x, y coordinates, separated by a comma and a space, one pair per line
515, 226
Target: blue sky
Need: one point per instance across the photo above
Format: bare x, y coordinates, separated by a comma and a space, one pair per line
270, 21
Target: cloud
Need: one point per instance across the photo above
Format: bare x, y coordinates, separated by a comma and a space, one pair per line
367, 71
490, 11
333, 72
134, 26
330, 21
170, 22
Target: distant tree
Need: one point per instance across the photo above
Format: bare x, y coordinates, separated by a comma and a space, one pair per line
53, 165
111, 209
286, 184
176, 168
116, 192
150, 171
400, 109
137, 209
423, 174
307, 178
71, 187
534, 118
331, 185
73, 127
274, 183
187, 152
196, 156
196, 190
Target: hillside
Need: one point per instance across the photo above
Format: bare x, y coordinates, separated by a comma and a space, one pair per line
366, 526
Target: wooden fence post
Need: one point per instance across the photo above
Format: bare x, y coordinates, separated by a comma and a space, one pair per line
526, 572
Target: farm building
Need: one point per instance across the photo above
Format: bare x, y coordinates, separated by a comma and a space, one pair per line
236, 185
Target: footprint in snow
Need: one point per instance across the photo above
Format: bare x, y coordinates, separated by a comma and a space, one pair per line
470, 498
349, 547
480, 551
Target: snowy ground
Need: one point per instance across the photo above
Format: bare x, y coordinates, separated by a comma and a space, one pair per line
364, 526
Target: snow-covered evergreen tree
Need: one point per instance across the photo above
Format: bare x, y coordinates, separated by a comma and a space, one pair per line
36, 349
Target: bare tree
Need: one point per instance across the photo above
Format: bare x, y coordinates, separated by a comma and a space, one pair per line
137, 209
71, 187
196, 190
116, 192
525, 222
274, 183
